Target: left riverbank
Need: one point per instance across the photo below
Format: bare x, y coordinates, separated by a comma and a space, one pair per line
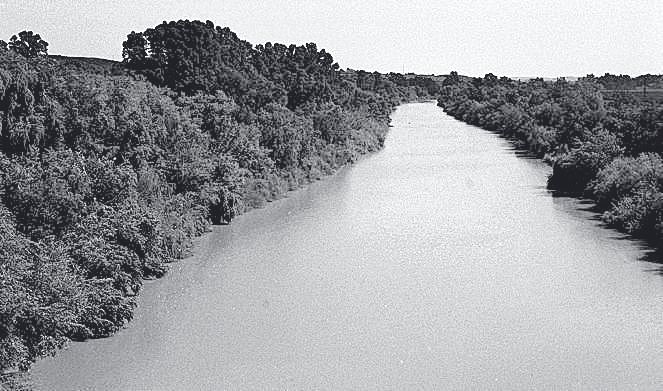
108, 172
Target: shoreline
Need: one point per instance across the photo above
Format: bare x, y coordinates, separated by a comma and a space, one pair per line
192, 252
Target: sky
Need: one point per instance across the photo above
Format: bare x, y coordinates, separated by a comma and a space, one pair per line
510, 38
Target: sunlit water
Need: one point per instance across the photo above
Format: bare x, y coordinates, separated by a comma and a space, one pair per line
439, 263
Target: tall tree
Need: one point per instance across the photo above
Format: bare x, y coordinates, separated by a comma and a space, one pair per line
28, 44
134, 50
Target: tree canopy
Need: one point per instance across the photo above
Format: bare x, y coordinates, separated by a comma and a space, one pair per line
26, 44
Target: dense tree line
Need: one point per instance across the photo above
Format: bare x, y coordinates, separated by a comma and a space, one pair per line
626, 82
109, 170
601, 145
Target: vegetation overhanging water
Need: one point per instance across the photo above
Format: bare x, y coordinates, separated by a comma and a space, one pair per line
109, 170
403, 271
602, 135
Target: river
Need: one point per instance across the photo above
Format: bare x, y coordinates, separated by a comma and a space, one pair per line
441, 262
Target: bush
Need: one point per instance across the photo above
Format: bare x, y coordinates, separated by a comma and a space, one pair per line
574, 170
639, 213
41, 300
46, 193
626, 175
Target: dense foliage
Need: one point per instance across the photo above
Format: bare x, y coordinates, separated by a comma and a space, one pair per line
108, 170
627, 83
604, 141
26, 44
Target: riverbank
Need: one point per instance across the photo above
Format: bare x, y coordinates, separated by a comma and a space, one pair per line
255, 195
108, 171
395, 273
602, 147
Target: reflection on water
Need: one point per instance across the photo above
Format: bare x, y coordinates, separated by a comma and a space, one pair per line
440, 262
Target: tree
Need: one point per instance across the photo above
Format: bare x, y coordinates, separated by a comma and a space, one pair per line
452, 80
134, 50
28, 44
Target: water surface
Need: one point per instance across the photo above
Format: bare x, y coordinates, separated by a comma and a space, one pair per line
439, 263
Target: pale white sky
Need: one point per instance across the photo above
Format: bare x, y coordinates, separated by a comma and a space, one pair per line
514, 38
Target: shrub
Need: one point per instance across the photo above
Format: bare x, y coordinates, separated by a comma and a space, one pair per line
574, 170
624, 176
639, 213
